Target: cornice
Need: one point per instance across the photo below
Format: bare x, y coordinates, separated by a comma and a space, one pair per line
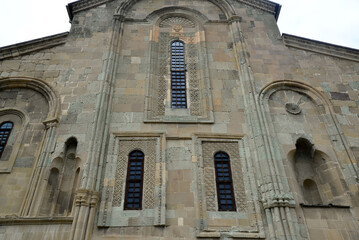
321, 47
81, 5
23, 48
267, 6
18, 220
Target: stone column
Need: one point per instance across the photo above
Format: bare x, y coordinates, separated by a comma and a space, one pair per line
274, 191
34, 193
87, 195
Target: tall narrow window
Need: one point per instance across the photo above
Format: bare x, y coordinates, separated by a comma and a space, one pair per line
178, 75
225, 193
5, 130
134, 183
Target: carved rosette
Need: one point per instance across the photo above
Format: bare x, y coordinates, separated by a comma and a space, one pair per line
292, 101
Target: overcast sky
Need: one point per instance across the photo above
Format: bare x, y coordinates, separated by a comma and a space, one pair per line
332, 21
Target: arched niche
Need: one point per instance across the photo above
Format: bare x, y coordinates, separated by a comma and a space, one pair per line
62, 182
317, 179
293, 110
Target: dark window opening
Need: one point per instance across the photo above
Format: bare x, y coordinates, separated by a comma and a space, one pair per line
225, 193
134, 182
178, 76
5, 130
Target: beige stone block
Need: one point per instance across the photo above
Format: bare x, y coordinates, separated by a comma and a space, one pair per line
332, 234
317, 234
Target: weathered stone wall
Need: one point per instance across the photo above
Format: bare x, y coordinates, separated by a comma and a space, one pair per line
246, 78
35, 231
35, 107
331, 123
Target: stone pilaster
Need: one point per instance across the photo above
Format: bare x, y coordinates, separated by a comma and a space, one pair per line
87, 196
85, 209
33, 196
276, 199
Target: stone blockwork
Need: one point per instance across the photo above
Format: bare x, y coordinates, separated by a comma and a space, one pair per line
284, 108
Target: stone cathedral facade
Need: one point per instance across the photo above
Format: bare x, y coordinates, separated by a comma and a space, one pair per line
178, 119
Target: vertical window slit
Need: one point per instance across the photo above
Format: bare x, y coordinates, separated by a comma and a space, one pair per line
178, 76
225, 193
134, 182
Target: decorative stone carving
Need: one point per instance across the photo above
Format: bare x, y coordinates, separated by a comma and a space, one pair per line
51, 123
177, 21
291, 100
148, 147
280, 200
231, 148
293, 108
154, 187
177, 28
158, 102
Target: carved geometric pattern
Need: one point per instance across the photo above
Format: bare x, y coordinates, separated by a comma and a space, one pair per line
148, 147
292, 101
149, 178
173, 21
192, 57
119, 179
159, 196
210, 189
191, 51
163, 73
232, 149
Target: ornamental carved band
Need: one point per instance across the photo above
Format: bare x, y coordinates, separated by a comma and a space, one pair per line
158, 102
232, 149
148, 147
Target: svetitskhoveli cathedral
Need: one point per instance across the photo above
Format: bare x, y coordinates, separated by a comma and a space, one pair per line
178, 120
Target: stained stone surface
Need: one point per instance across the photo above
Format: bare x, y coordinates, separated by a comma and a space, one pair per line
251, 92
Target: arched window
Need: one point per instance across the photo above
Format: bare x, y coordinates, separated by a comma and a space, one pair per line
134, 182
5, 130
225, 193
178, 75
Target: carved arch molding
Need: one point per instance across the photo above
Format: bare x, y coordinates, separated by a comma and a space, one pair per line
170, 27
291, 97
224, 5
39, 86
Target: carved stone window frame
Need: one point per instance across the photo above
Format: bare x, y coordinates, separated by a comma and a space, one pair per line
248, 210
184, 26
20, 121
112, 212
